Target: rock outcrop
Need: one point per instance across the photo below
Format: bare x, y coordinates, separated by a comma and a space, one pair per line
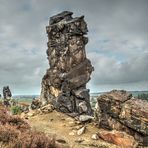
7, 96
120, 111
6, 92
35, 104
64, 84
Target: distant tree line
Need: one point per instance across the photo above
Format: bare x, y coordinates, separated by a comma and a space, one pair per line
143, 96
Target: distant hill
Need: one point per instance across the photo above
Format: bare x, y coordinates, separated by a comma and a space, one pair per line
25, 98
93, 96
134, 93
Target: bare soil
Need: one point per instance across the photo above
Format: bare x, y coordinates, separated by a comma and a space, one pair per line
64, 129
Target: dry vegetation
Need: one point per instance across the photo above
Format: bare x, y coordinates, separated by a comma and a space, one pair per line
16, 133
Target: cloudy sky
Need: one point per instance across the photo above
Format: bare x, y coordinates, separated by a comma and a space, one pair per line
117, 47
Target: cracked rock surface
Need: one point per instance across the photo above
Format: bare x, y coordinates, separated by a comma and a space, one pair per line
64, 84
118, 110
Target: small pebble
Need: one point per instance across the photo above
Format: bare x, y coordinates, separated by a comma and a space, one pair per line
95, 137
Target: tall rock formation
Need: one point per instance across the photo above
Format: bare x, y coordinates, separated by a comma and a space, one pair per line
64, 83
6, 92
7, 96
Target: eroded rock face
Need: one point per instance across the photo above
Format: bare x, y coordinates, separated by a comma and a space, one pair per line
120, 111
64, 83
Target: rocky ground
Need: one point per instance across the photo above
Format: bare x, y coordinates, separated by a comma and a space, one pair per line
65, 129
68, 131
119, 119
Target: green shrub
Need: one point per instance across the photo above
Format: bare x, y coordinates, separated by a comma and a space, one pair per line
16, 110
143, 96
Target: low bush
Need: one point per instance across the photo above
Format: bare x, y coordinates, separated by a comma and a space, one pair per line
8, 134
4, 116
18, 123
28, 139
16, 133
35, 140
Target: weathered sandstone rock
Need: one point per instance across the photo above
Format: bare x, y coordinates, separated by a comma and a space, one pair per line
64, 84
7, 96
120, 111
7, 92
35, 104
118, 138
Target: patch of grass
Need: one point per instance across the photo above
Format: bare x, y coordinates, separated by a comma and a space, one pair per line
16, 110
27, 100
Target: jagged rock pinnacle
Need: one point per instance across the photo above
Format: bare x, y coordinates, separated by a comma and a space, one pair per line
64, 83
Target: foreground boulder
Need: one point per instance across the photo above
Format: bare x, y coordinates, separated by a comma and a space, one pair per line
134, 114
118, 138
47, 108
35, 104
119, 110
64, 84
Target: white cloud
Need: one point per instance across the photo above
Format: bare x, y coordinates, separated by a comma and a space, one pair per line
110, 72
118, 42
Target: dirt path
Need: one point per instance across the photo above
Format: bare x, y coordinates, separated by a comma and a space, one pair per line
65, 128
